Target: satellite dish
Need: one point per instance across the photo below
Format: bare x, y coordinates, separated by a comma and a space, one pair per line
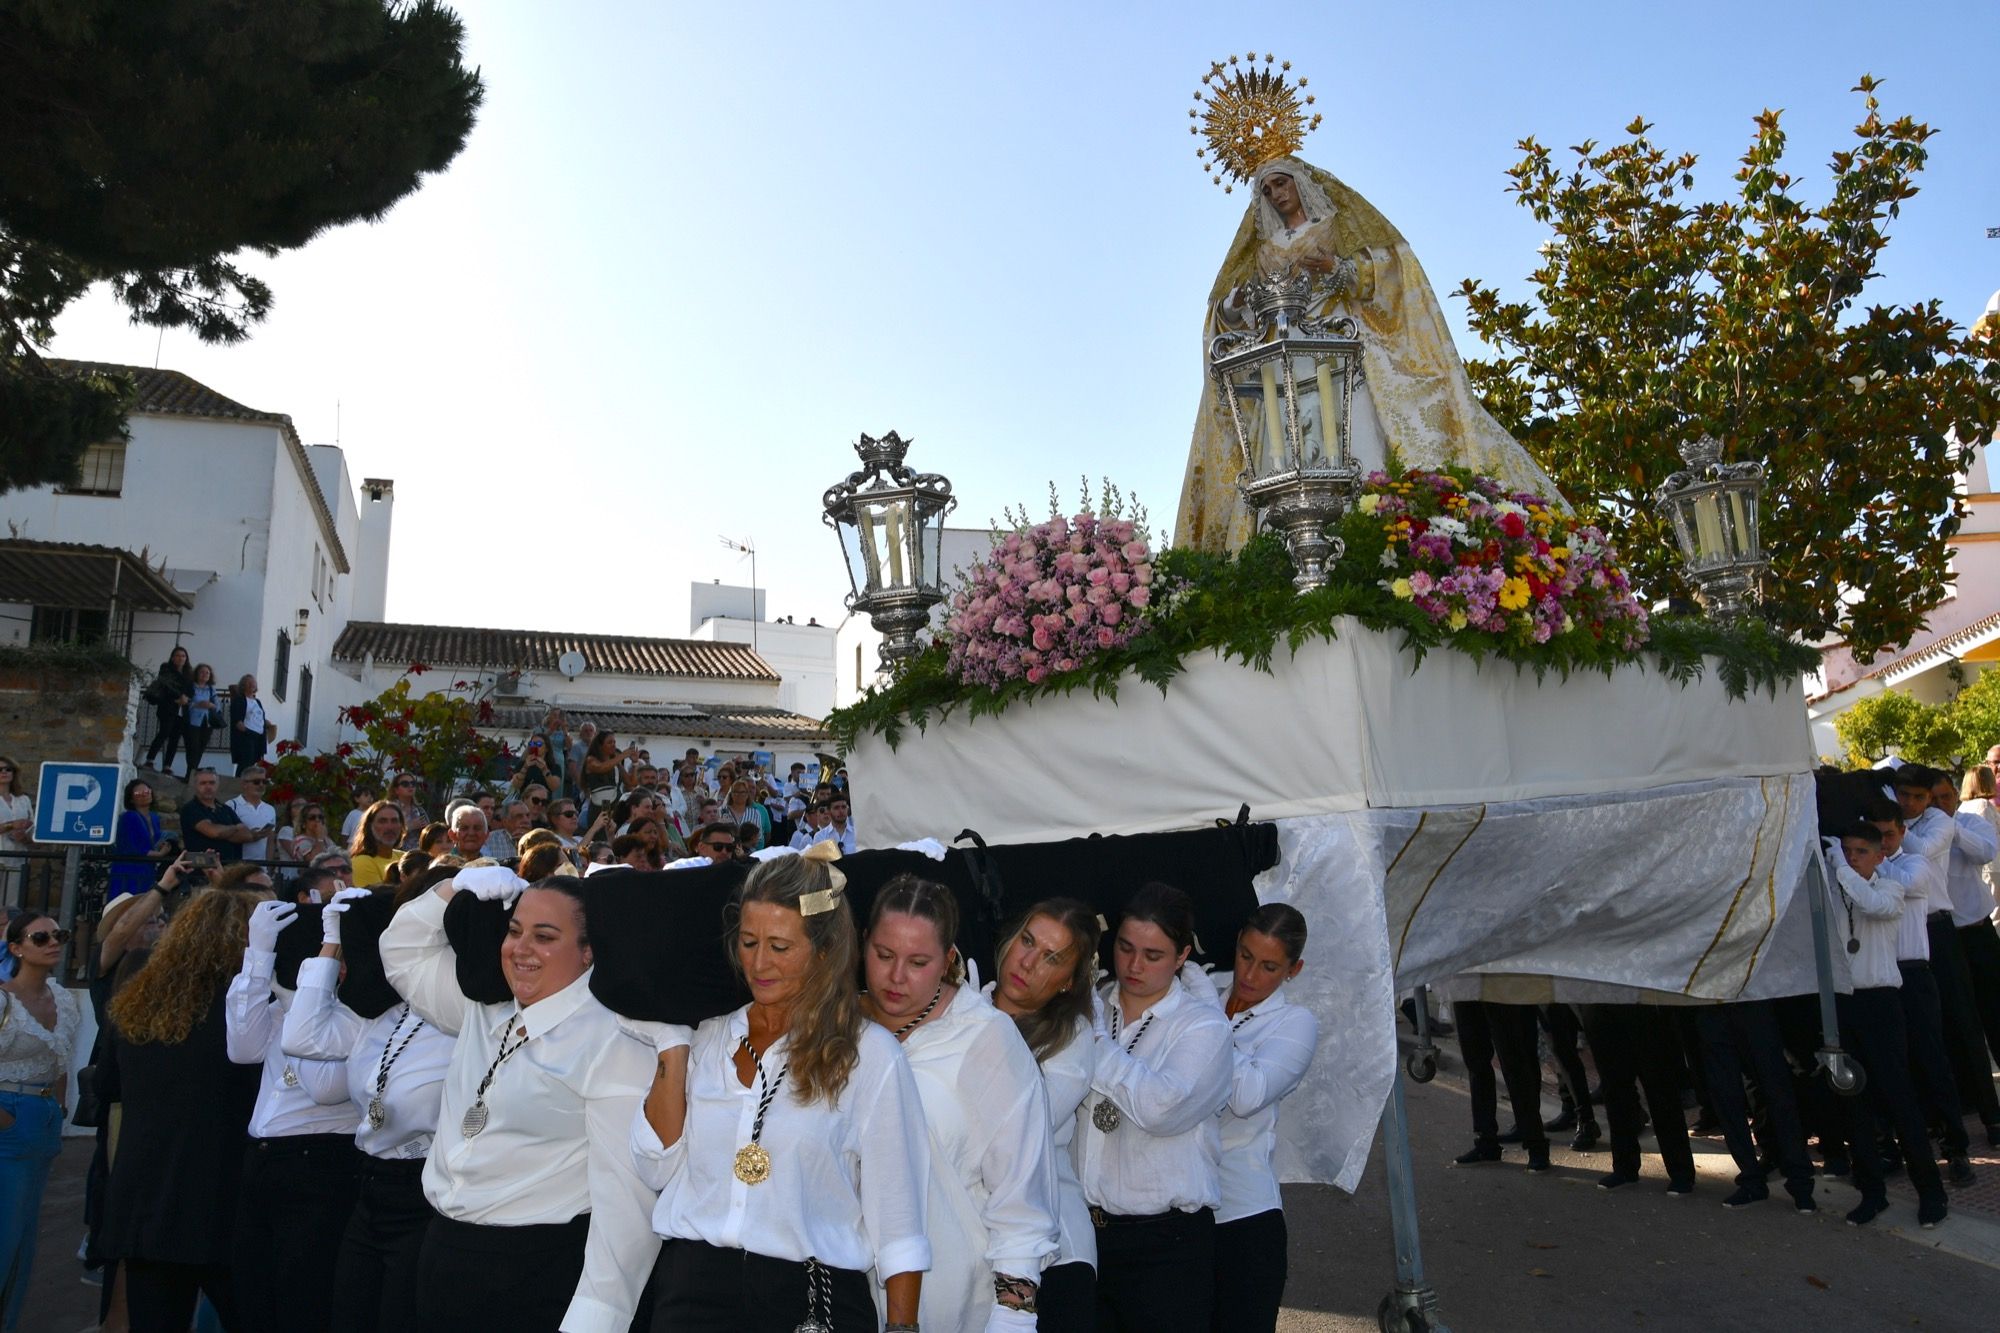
571, 664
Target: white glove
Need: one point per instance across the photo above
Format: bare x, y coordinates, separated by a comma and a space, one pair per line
267, 921
932, 848
662, 1037
329, 916
491, 884
1000, 1319
1836, 853
1199, 984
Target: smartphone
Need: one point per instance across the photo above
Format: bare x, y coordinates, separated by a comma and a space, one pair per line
205, 860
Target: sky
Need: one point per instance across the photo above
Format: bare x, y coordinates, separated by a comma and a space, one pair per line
691, 252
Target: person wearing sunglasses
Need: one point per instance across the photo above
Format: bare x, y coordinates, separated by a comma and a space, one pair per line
717, 842
38, 1027
403, 791
256, 814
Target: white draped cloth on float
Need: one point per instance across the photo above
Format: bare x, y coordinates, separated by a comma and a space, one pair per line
1624, 833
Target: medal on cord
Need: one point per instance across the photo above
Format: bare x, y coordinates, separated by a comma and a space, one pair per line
1106, 1115
378, 1110
753, 1163
819, 1299
475, 1114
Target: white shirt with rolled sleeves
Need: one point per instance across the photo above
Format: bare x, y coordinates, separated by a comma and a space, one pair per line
319, 1026
263, 815
992, 1201
558, 1112
1913, 873
1974, 845
1273, 1044
848, 1178
314, 1100
1874, 911
1066, 1082
1164, 1155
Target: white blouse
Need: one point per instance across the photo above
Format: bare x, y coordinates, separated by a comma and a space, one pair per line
554, 1142
992, 1201
319, 1026
31, 1053
1066, 1081
1162, 1156
1273, 1044
293, 1096
848, 1179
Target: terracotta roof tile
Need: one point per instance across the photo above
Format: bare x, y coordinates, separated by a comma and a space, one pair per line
540, 650
72, 574
734, 722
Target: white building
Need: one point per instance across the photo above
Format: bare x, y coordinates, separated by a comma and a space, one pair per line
802, 655
858, 647
213, 527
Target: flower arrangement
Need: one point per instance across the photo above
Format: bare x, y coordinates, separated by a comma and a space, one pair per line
1052, 595
1473, 556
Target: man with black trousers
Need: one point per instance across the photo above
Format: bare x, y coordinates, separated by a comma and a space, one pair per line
1487, 1030
1973, 845
1638, 1045
1868, 914
1744, 1037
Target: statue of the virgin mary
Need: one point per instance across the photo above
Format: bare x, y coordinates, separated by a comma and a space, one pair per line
1415, 404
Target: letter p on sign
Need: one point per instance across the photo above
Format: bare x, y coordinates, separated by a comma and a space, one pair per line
76, 796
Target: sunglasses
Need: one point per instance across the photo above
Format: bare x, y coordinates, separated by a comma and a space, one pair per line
565, 812
253, 782
42, 937
719, 846
401, 785
538, 800
6, 768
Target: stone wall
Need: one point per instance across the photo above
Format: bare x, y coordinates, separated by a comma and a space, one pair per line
64, 712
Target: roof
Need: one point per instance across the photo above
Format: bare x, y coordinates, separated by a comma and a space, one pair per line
169, 393
1980, 631
734, 722
540, 650
71, 574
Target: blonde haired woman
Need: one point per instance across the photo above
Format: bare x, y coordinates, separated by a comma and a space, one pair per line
788, 1137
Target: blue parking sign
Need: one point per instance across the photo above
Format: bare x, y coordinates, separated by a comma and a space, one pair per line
77, 802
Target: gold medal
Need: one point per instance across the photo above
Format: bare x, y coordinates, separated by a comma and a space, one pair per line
753, 1164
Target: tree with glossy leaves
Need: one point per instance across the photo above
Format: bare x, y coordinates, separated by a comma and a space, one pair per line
147, 144
1655, 319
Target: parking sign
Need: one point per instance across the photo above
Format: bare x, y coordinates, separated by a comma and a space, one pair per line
77, 803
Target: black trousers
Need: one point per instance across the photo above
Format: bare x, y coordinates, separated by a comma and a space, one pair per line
1506, 1032
168, 735
197, 745
1930, 1067
702, 1288
1800, 1028
375, 1271
1637, 1046
1873, 1027
159, 1298
1980, 943
1250, 1269
1155, 1274
296, 1194
474, 1279
1067, 1299
1743, 1039
1964, 1039
1560, 1022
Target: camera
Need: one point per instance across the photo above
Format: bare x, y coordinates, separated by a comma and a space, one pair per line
204, 860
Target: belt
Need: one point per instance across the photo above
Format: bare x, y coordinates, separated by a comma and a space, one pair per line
1100, 1218
1942, 914
28, 1089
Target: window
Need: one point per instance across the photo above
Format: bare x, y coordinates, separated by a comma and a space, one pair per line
102, 471
69, 624
281, 668
320, 580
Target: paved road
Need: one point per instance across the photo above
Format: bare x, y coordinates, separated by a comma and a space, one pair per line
1506, 1250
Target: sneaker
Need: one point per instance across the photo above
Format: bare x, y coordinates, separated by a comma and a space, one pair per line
1958, 1170
1614, 1180
1866, 1211
1586, 1139
1679, 1189
1538, 1157
1481, 1152
1744, 1196
1931, 1211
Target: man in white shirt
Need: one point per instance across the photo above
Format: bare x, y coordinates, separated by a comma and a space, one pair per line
839, 827
1867, 911
257, 815
1972, 845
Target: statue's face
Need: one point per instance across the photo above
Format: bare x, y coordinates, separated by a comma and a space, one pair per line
1282, 192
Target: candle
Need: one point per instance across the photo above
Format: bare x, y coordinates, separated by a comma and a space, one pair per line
1329, 421
1708, 528
1743, 542
892, 527
1274, 430
864, 520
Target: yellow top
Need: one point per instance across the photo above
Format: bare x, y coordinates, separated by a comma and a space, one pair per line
369, 870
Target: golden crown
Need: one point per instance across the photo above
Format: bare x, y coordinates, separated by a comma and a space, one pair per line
1248, 116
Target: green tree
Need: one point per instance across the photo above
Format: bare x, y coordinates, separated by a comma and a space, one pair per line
1656, 319
147, 144
1893, 722
1975, 711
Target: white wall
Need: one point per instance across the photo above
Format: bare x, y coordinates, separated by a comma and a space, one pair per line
708, 600
599, 689
802, 654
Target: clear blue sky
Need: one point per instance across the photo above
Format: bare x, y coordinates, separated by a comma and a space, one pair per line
691, 251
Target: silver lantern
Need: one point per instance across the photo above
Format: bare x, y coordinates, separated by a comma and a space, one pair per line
1713, 507
891, 525
1289, 382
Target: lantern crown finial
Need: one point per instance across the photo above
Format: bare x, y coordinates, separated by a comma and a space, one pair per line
1701, 454
885, 454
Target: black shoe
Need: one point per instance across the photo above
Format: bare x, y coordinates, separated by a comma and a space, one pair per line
1679, 1189
1931, 1211
1804, 1203
1746, 1195
1512, 1136
1538, 1157
1586, 1138
1563, 1123
1866, 1211
1837, 1168
1615, 1179
1958, 1170
1481, 1152
1993, 1134
1705, 1126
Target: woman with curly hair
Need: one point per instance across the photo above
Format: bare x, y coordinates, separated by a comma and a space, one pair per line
168, 1213
781, 1225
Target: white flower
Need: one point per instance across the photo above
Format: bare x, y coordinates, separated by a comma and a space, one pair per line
1388, 558
1508, 507
1449, 526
